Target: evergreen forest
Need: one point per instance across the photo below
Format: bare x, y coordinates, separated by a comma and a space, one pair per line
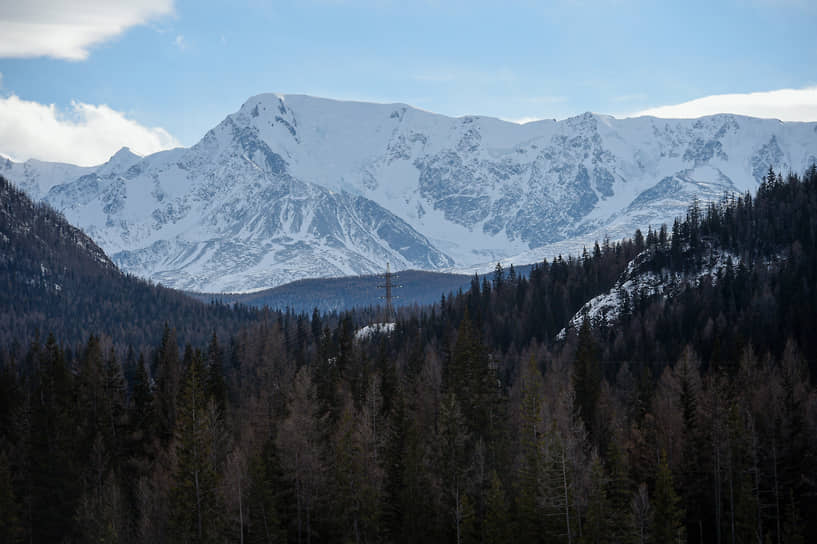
132, 413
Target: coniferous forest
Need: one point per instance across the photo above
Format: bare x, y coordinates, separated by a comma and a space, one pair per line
131, 413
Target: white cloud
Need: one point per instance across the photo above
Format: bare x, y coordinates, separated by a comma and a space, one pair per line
783, 104
180, 43
84, 135
65, 29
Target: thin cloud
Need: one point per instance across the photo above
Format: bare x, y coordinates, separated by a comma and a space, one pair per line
782, 104
66, 29
180, 43
86, 135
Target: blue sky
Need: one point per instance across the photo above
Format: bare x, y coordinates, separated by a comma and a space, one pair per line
182, 66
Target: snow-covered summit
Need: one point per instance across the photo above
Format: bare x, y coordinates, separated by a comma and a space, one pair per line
121, 160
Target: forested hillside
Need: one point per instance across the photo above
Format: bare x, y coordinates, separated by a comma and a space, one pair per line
688, 414
344, 293
55, 279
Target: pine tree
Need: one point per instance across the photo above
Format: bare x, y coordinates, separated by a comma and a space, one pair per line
453, 461
53, 460
693, 491
315, 325
556, 490
264, 519
639, 241
467, 532
640, 515
299, 441
499, 277
667, 520
91, 392
528, 516
792, 526
596, 529
495, 527
196, 506
140, 441
115, 413
11, 530
587, 377
619, 494
168, 371
346, 478
472, 380
142, 410
394, 469
215, 384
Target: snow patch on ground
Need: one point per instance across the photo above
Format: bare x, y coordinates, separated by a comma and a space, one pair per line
375, 328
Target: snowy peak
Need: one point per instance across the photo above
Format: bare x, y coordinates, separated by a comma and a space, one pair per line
123, 158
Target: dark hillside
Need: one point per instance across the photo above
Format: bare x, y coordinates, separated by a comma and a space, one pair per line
339, 294
55, 279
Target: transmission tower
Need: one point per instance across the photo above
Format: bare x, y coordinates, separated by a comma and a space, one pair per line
388, 285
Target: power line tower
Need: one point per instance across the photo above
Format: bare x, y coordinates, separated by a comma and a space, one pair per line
388, 285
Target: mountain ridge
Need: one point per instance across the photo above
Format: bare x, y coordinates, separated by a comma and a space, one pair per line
293, 186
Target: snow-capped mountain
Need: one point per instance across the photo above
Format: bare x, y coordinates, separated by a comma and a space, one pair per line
293, 186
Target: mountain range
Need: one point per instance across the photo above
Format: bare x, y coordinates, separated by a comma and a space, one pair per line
292, 187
